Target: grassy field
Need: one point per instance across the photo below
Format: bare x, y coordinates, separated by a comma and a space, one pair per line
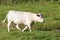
34, 35
49, 30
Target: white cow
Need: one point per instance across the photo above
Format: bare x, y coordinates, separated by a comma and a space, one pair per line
19, 17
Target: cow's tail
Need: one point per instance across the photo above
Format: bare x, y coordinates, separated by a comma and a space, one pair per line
4, 20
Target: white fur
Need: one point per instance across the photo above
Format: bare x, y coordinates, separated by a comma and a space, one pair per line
19, 17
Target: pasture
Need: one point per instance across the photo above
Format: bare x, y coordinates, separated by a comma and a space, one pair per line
49, 30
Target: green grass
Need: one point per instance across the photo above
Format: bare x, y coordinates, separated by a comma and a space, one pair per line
40, 31
34, 35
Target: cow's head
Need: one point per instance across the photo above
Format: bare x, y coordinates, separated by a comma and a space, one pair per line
40, 17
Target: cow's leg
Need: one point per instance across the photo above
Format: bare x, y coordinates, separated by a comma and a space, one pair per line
9, 22
29, 28
25, 28
18, 27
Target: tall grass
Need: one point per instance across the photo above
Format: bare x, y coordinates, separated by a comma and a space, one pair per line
8, 2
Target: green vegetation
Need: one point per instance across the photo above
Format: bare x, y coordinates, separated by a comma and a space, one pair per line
7, 2
34, 35
49, 30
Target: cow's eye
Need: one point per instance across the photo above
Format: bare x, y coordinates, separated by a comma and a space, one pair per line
38, 15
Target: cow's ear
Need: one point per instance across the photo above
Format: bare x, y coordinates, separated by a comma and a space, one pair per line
38, 15
41, 15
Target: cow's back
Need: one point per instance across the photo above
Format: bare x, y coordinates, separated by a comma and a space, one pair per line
18, 16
